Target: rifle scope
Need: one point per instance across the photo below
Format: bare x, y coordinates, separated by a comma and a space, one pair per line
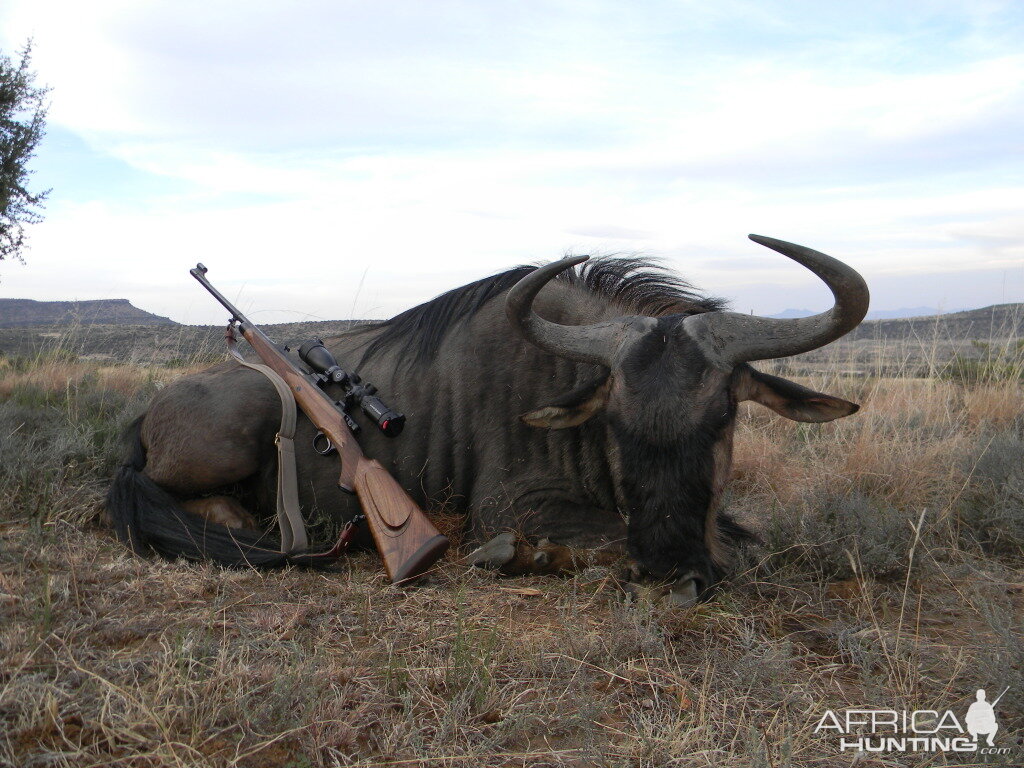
316, 356
319, 358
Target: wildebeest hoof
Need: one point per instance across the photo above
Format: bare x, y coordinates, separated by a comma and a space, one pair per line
683, 594
632, 572
497, 552
542, 557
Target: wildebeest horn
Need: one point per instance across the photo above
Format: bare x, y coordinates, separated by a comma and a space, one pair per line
730, 337
595, 343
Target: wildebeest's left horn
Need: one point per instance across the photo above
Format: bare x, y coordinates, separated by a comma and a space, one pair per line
595, 343
730, 337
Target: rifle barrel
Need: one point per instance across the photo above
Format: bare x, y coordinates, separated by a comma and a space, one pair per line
199, 273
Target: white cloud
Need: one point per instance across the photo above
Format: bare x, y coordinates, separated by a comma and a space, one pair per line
431, 144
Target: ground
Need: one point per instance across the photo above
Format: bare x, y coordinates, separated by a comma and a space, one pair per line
890, 575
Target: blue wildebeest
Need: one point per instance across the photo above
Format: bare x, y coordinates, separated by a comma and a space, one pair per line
583, 405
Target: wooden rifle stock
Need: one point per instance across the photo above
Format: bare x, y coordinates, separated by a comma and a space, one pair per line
407, 541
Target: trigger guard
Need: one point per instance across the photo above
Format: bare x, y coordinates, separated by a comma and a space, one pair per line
327, 449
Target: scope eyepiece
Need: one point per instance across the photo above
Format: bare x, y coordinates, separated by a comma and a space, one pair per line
388, 421
319, 358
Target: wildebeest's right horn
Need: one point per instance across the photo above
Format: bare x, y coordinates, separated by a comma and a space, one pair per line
730, 337
595, 343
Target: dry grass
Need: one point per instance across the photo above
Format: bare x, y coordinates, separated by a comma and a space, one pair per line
51, 377
108, 659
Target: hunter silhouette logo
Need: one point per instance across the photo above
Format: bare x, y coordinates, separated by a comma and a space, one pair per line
920, 730
981, 717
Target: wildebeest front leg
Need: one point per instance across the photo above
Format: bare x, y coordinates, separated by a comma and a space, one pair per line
545, 535
513, 555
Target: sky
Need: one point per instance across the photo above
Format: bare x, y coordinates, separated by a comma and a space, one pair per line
328, 159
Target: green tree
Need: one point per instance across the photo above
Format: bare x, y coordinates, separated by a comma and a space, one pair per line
22, 124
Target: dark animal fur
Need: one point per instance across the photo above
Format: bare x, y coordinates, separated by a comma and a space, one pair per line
637, 286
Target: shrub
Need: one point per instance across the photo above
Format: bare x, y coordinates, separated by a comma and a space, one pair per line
994, 365
836, 530
991, 512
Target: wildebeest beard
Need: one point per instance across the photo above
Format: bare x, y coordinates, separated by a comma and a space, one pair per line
668, 490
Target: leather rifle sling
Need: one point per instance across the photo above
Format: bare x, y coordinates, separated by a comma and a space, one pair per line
289, 516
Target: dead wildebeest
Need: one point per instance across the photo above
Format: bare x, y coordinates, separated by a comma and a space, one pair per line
587, 407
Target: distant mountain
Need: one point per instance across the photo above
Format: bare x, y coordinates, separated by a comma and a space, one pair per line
15, 313
893, 314
936, 337
879, 314
1000, 321
153, 343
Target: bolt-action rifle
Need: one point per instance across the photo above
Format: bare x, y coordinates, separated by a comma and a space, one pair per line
408, 542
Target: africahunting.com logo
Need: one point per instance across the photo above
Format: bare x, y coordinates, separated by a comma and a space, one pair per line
920, 730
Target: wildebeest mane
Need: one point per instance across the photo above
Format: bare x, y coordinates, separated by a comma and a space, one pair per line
637, 286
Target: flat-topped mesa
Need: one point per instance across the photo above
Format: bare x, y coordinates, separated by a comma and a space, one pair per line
28, 312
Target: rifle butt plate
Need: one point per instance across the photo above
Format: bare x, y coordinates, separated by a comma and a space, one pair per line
429, 553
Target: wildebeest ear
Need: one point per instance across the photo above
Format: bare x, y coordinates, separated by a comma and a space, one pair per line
572, 409
790, 399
